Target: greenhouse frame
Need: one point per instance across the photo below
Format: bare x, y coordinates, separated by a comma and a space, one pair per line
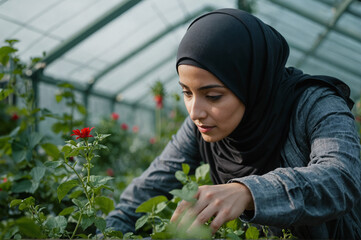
66, 65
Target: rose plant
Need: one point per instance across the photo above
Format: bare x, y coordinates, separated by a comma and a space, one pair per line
83, 188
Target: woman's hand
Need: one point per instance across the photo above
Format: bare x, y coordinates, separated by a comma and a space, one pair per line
225, 202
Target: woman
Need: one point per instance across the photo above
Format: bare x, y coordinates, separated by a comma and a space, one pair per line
281, 144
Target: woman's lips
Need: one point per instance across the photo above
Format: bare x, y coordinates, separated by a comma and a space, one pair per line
204, 128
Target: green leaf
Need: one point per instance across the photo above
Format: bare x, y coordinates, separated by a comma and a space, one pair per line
15, 202
185, 168
4, 93
37, 173
22, 186
80, 204
30, 201
202, 172
100, 223
66, 150
141, 221
34, 186
71, 142
26, 203
160, 207
59, 127
81, 109
51, 150
252, 233
14, 132
87, 221
187, 193
53, 164
181, 176
177, 193
65, 187
28, 228
105, 204
97, 181
100, 137
75, 193
65, 85
58, 98
34, 139
18, 151
58, 222
6, 50
149, 205
67, 211
189, 190
114, 234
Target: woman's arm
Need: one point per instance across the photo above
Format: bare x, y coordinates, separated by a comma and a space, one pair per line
329, 186
158, 179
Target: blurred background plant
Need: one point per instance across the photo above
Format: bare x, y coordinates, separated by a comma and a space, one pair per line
28, 169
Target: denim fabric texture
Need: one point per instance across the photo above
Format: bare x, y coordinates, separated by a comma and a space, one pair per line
315, 192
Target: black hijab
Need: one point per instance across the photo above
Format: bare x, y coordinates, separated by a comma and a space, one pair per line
249, 57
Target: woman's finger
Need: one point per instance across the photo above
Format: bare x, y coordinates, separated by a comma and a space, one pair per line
203, 216
179, 211
219, 220
191, 214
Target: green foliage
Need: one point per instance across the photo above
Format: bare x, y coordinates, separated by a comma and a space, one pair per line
67, 122
158, 211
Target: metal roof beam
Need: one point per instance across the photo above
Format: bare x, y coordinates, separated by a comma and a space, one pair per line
327, 60
145, 45
89, 30
350, 11
315, 18
330, 26
150, 70
80, 88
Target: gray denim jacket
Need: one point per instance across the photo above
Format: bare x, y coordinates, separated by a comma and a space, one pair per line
316, 192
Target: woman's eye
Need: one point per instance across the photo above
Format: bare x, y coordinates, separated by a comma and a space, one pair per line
187, 93
214, 97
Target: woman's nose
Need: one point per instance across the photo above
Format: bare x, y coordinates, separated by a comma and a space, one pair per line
197, 109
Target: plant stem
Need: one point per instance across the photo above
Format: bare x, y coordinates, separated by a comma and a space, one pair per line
77, 225
82, 183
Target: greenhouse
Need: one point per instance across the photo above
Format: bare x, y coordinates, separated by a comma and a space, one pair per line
94, 98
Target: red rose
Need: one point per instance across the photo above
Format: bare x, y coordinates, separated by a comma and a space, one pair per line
84, 133
152, 140
159, 101
5, 179
71, 159
124, 126
135, 129
110, 172
14, 117
115, 116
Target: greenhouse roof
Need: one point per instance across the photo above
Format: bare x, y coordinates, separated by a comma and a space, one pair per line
118, 49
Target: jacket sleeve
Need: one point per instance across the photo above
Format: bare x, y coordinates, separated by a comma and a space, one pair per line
327, 185
158, 179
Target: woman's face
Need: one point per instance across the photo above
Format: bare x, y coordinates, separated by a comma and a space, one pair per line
213, 108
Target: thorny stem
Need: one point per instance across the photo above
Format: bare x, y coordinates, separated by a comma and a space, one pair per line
87, 159
82, 183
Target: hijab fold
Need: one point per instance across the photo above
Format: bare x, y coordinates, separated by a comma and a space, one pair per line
249, 57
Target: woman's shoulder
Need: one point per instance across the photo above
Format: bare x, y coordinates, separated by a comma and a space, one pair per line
316, 101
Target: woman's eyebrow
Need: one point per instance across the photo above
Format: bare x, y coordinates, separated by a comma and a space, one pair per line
204, 87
